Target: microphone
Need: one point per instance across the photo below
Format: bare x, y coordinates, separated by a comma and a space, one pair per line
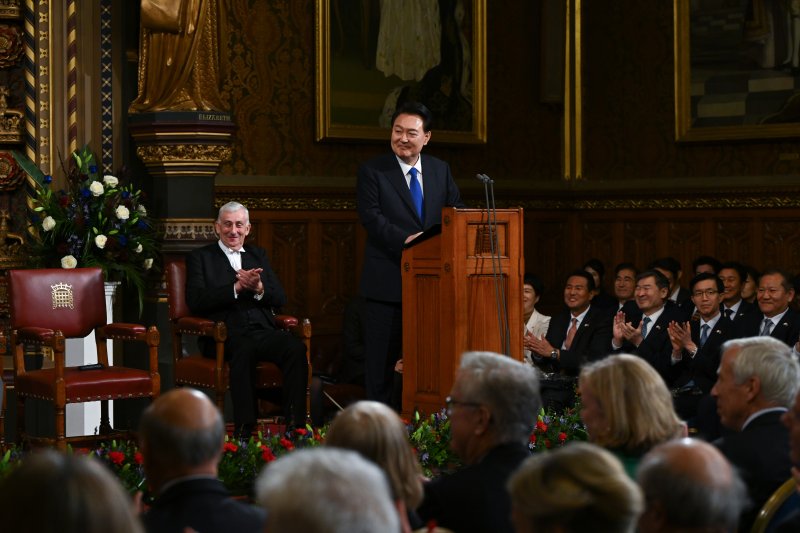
499, 287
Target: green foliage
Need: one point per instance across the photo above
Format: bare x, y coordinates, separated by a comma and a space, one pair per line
94, 221
430, 438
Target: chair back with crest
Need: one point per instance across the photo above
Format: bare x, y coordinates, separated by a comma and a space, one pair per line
68, 300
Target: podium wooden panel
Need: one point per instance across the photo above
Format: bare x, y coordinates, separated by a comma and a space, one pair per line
450, 300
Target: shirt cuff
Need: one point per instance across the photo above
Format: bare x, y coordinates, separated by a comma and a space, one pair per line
258, 297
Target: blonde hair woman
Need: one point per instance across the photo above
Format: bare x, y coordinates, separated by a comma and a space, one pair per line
376, 432
580, 487
627, 407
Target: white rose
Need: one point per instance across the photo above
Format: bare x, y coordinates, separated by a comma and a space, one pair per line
142, 211
68, 261
96, 188
48, 223
100, 241
148, 263
138, 249
110, 180
122, 212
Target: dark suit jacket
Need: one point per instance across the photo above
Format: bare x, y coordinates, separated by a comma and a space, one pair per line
387, 213
787, 330
475, 499
656, 348
702, 368
761, 454
209, 288
205, 505
592, 340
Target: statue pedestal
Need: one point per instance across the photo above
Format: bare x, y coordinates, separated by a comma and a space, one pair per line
84, 418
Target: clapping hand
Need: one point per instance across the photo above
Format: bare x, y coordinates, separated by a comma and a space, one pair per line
249, 280
680, 335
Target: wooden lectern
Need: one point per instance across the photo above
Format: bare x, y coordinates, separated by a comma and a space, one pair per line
451, 293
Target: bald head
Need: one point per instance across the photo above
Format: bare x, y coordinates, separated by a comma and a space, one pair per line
689, 485
181, 433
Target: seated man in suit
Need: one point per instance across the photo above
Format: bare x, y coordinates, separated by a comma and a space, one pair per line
735, 308
579, 334
776, 318
492, 408
758, 380
689, 486
234, 283
181, 436
648, 336
624, 284
696, 346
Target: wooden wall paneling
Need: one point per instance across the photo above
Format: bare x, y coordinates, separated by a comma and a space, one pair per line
781, 241
640, 246
733, 239
685, 244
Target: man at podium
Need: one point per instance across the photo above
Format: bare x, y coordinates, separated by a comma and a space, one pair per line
399, 196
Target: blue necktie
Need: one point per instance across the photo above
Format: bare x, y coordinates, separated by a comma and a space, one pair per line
416, 192
704, 334
645, 322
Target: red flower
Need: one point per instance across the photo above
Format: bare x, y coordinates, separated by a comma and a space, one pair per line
116, 457
547, 443
562, 437
286, 443
137, 458
230, 447
301, 431
533, 438
541, 426
266, 454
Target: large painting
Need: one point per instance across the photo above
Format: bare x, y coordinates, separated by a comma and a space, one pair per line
373, 55
737, 69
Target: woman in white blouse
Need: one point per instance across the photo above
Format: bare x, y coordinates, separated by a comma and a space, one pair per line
535, 322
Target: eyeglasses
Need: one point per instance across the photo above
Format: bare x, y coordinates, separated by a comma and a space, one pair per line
707, 292
449, 402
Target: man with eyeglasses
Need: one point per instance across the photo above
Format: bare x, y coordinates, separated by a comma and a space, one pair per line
776, 318
696, 346
492, 408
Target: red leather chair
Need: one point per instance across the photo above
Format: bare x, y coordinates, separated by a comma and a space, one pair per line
194, 369
49, 306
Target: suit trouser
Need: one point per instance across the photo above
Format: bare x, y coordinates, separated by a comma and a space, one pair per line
244, 350
383, 343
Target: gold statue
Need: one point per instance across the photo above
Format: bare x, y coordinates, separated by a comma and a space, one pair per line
179, 56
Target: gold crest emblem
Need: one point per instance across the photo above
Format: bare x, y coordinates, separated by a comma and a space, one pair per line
62, 296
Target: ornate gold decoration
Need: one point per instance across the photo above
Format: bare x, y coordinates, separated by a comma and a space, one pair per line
10, 9
11, 120
184, 152
10, 174
13, 253
62, 296
186, 229
11, 47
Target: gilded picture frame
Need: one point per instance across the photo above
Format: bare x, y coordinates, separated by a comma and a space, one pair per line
364, 69
732, 79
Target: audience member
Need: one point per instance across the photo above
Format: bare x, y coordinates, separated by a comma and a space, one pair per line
625, 284
758, 381
776, 319
181, 437
670, 268
399, 195
735, 308
689, 486
627, 408
577, 488
578, 334
376, 432
228, 281
696, 346
492, 408
706, 263
791, 419
53, 492
601, 298
750, 285
536, 323
325, 490
649, 337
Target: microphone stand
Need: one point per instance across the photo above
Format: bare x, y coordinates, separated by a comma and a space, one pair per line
499, 288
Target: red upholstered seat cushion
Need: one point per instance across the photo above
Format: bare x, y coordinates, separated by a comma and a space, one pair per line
198, 371
87, 385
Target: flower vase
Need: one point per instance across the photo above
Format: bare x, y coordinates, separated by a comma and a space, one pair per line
84, 418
